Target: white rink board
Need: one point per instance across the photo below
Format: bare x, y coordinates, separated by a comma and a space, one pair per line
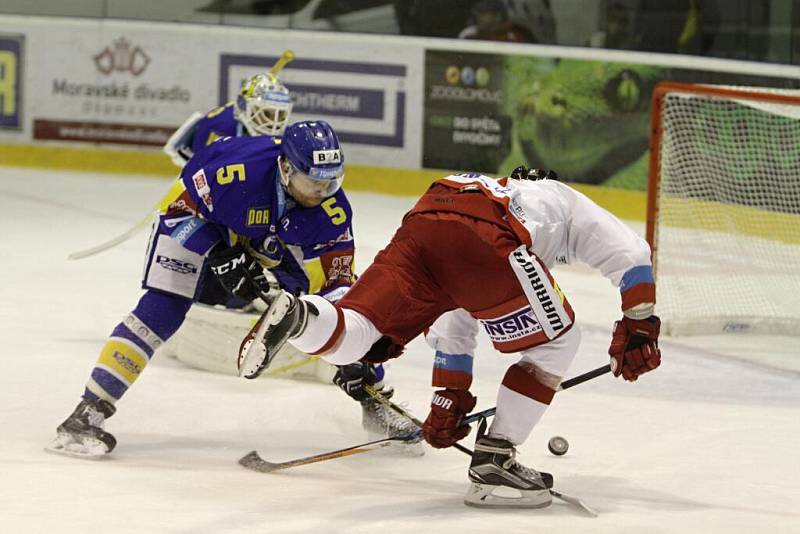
157, 74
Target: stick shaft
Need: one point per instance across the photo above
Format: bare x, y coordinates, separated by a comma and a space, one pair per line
566, 384
285, 58
580, 379
254, 462
111, 243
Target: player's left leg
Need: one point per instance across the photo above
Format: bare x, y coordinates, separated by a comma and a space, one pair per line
525, 393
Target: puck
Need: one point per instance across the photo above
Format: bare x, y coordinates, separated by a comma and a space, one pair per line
558, 445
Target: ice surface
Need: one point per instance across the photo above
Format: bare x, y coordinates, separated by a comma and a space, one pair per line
707, 443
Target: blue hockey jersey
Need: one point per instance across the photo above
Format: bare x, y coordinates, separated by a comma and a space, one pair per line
233, 187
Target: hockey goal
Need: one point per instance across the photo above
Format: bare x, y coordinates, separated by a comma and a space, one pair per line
723, 215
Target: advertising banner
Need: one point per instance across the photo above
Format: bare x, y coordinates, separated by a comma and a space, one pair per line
587, 120
112, 85
11, 61
466, 127
366, 101
127, 83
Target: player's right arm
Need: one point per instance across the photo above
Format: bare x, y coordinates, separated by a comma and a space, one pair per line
601, 240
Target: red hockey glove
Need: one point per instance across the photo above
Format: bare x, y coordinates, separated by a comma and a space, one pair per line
443, 426
634, 347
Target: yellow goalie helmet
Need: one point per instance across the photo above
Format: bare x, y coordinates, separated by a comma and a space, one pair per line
263, 105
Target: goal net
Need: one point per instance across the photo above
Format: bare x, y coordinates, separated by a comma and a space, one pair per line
723, 216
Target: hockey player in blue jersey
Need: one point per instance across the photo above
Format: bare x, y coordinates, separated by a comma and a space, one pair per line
238, 206
262, 108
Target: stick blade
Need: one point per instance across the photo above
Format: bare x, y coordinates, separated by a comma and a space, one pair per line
254, 462
576, 502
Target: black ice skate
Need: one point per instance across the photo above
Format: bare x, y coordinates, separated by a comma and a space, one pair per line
285, 318
381, 421
82, 434
499, 481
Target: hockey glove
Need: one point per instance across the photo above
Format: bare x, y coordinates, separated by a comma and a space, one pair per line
353, 377
443, 426
634, 347
522, 173
382, 350
239, 273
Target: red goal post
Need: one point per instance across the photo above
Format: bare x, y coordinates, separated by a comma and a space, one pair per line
723, 208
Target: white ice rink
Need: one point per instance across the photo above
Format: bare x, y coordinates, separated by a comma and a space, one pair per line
707, 443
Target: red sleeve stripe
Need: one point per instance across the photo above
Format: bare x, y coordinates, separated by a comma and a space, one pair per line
638, 294
445, 378
335, 336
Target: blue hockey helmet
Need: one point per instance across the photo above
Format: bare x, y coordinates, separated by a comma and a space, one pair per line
312, 166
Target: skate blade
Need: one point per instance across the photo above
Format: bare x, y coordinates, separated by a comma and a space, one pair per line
252, 352
88, 449
487, 496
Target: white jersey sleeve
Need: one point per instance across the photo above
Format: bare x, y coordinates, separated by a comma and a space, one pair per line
566, 226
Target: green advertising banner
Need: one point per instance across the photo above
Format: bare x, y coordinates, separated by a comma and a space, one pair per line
465, 125
587, 120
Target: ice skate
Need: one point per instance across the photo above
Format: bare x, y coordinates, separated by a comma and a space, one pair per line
380, 421
499, 481
285, 318
82, 435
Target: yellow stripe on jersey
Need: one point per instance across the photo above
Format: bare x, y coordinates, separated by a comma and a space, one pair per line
172, 195
316, 275
124, 358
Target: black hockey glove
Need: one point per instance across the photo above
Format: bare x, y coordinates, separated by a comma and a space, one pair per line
239, 272
353, 377
522, 173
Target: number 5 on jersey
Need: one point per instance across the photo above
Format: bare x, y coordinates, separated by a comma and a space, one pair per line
336, 213
229, 173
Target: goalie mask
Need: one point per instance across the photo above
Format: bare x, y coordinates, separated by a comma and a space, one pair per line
312, 163
263, 105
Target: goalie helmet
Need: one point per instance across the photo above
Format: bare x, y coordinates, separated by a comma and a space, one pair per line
312, 163
263, 105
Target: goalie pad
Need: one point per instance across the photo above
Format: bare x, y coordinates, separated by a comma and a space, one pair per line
210, 337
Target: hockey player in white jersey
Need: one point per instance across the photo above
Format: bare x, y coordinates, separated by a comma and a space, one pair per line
478, 251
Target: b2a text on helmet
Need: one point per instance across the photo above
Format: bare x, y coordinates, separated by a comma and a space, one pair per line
322, 157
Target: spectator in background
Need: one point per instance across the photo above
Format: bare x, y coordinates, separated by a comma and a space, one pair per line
491, 23
432, 18
667, 26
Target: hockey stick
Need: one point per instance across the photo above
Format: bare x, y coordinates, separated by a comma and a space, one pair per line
111, 243
254, 462
285, 58
566, 384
